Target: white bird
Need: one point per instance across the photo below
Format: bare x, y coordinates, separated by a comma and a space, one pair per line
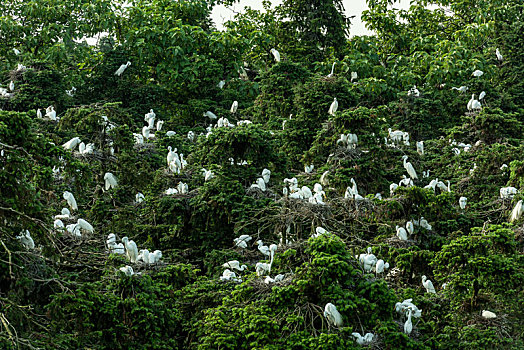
235, 264
58, 225
39, 113
229, 275
420, 147
208, 174
462, 202
12, 86
409, 168
332, 315
234, 107
139, 197
170, 133
470, 103
110, 181
131, 249
266, 174
155, 256
354, 76
482, 95
74, 229
127, 270
324, 178
272, 249
171, 155
17, 52
424, 223
241, 241
221, 84
517, 212
309, 168
460, 89
144, 256
499, 56
65, 214
476, 105
68, 196
406, 305
477, 73
381, 266
428, 285
402, 234
443, 187
414, 92
71, 92
508, 192
111, 240
119, 249
86, 226
488, 314
276, 55
368, 260
334, 106
210, 115
264, 249
260, 184
410, 228
278, 278
262, 268
159, 125
363, 340
71, 144
26, 239
332, 70
319, 231
392, 188
408, 326
122, 68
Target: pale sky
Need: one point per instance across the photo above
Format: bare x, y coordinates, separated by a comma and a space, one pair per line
221, 14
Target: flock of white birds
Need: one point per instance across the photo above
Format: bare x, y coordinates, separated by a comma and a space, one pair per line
176, 164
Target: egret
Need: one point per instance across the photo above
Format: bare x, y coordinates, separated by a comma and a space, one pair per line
462, 202
482, 95
278, 278
110, 181
241, 241
127, 270
264, 249
86, 226
39, 113
369, 260
146, 132
131, 249
409, 168
71, 92
235, 264
332, 70
262, 268
272, 249
319, 231
488, 314
119, 249
428, 285
309, 168
402, 234
171, 191
414, 92
12, 85
406, 181
334, 106
65, 214
424, 223
508, 192
229, 275
159, 125
476, 105
171, 155
392, 188
324, 178
74, 229
354, 76
208, 174
71, 144
26, 239
58, 225
17, 52
221, 84
363, 340
155, 256
260, 184
234, 107
410, 228
144, 256
499, 56
183, 188
420, 147
443, 187
266, 174
477, 73
517, 211
276, 55
210, 115
170, 133
122, 68
408, 326
381, 266
332, 315
396, 136
470, 102
68, 196
460, 89
139, 197
111, 240
503, 167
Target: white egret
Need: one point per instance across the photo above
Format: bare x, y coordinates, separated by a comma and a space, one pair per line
499, 56
409, 168
334, 106
408, 326
392, 188
332, 315
477, 73
470, 103
39, 113
235, 264
71, 92
272, 249
488, 314
210, 115
460, 89
309, 168
26, 239
463, 202
324, 178
354, 76
221, 84
65, 214
71, 144
406, 305
482, 95
68, 196
276, 55
58, 225
241, 241
122, 68
229, 275
381, 266
17, 52
127, 270
424, 223
12, 85
74, 229
420, 147
402, 234
476, 105
170, 133
517, 212
262, 268
86, 226
443, 187
131, 249
264, 249
144, 256
410, 228
171, 155
111, 240
139, 197
332, 70
319, 231
155, 256
208, 174
266, 174
119, 249
414, 92
234, 107
428, 285
508, 192
110, 181
363, 340
159, 125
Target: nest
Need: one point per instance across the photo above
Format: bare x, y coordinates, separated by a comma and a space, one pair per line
343, 153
